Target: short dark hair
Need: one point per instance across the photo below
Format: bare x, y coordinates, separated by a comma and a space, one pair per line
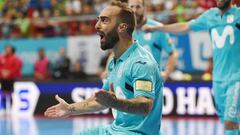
126, 15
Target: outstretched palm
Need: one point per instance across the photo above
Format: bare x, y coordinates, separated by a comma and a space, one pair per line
59, 110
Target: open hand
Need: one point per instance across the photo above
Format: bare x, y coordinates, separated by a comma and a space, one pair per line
59, 110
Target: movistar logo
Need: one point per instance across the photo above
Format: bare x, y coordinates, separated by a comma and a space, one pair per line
220, 40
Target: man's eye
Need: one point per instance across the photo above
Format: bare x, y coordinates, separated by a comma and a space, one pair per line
138, 6
104, 20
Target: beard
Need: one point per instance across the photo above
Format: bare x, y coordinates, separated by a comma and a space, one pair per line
139, 19
111, 39
225, 5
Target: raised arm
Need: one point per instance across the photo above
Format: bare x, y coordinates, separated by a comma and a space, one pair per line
171, 28
63, 109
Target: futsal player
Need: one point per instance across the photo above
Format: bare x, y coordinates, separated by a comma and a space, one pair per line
223, 24
154, 42
134, 85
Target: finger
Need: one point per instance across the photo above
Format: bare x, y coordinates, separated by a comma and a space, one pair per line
60, 100
50, 114
49, 111
51, 108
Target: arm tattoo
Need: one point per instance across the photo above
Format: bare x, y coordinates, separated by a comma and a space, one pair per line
85, 105
139, 105
72, 109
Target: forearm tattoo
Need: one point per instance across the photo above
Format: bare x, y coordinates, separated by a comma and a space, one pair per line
72, 109
134, 106
85, 105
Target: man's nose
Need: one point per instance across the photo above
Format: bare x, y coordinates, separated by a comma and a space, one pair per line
97, 25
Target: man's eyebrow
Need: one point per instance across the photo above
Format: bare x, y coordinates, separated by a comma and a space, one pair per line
102, 17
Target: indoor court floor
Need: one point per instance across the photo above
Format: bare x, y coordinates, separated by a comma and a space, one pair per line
45, 126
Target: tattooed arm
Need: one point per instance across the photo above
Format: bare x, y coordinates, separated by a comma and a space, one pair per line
87, 106
139, 105
63, 109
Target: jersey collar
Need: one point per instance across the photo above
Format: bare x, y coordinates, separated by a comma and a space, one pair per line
128, 52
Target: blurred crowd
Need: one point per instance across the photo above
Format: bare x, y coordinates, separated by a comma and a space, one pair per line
48, 18
62, 68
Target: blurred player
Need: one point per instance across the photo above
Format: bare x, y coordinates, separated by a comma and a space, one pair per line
154, 42
134, 86
223, 24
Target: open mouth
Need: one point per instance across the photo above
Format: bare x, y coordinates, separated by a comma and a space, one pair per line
102, 36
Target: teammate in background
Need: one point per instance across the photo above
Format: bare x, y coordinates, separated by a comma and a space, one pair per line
154, 42
223, 24
134, 86
10, 70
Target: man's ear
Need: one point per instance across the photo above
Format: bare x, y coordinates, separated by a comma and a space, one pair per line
122, 27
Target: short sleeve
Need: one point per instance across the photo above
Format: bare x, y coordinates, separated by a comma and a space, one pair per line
144, 78
200, 23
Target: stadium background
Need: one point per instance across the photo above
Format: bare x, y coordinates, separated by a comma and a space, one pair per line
54, 24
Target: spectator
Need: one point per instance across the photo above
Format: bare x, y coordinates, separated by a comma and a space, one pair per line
10, 68
59, 7
62, 66
206, 4
181, 11
88, 9
10, 64
100, 4
23, 24
45, 4
41, 66
76, 5
73, 7
2, 3
78, 72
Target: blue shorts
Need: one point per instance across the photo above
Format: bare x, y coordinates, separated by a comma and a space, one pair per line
227, 100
